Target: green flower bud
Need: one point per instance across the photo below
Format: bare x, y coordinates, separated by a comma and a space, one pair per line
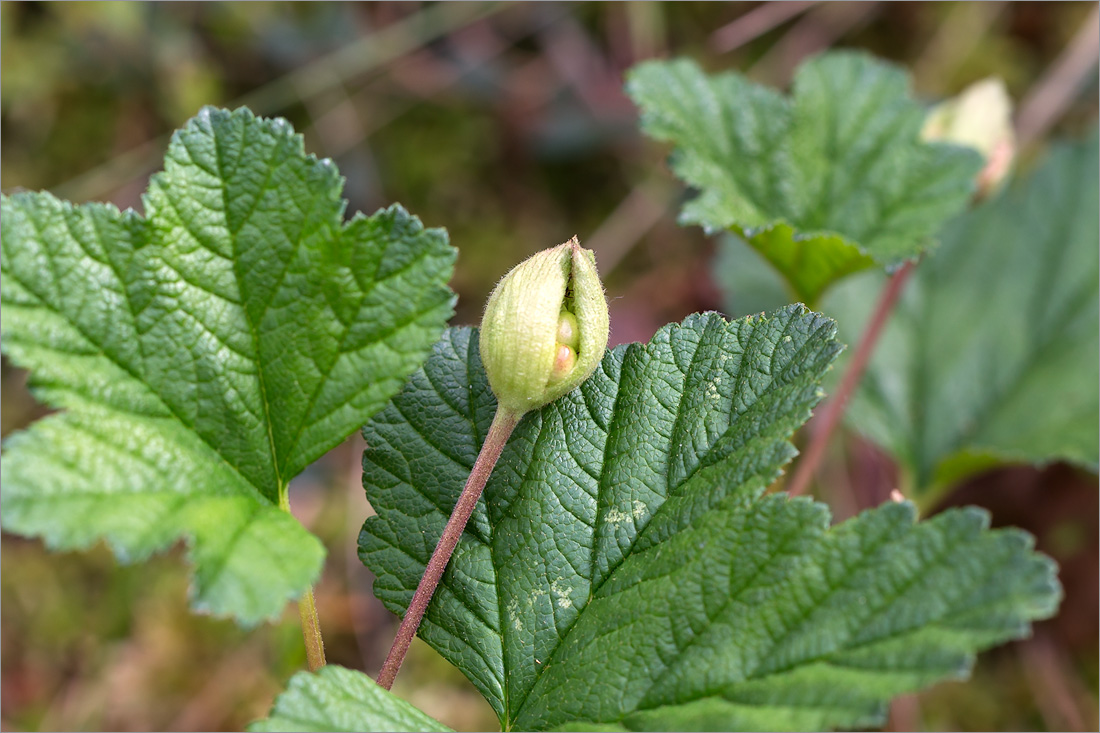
545, 328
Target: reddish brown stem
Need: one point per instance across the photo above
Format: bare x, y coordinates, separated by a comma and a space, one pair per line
834, 409
503, 424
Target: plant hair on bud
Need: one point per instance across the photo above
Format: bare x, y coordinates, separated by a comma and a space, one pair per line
545, 327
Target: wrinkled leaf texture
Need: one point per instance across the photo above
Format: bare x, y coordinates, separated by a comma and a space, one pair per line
627, 570
206, 353
824, 183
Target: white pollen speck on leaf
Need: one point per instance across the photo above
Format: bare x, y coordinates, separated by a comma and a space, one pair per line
562, 594
513, 613
615, 516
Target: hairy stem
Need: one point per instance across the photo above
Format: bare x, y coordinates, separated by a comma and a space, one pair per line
503, 424
311, 632
834, 408
307, 610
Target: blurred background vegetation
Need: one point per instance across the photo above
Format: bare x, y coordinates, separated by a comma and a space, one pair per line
506, 124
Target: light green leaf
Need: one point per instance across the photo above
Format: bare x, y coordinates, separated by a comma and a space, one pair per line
207, 353
747, 282
827, 182
992, 353
339, 699
626, 570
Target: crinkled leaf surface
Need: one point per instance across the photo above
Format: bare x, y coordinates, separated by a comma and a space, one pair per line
205, 354
338, 699
992, 352
625, 568
824, 183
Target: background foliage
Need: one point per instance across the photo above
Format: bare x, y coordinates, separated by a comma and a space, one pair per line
507, 125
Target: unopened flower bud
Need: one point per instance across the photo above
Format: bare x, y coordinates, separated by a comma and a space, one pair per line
545, 328
981, 117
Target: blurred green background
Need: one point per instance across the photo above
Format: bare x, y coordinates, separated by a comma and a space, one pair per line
506, 124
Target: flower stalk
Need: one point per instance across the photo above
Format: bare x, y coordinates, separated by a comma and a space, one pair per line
544, 332
503, 424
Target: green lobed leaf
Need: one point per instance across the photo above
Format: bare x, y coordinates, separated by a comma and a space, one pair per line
626, 569
205, 354
338, 699
824, 183
992, 352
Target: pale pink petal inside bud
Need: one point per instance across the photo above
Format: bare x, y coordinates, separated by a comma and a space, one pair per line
564, 361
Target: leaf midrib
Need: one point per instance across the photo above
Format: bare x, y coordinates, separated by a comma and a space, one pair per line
280, 483
945, 553
758, 332
97, 348
824, 658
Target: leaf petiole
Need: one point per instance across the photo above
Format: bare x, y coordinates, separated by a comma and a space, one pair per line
307, 609
311, 631
504, 421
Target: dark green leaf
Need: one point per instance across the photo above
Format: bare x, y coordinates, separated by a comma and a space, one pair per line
626, 569
207, 353
992, 353
824, 183
338, 699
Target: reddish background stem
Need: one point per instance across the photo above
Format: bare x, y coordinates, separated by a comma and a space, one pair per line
834, 408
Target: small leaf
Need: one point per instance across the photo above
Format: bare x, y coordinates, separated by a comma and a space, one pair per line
992, 353
825, 183
626, 569
207, 353
338, 699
